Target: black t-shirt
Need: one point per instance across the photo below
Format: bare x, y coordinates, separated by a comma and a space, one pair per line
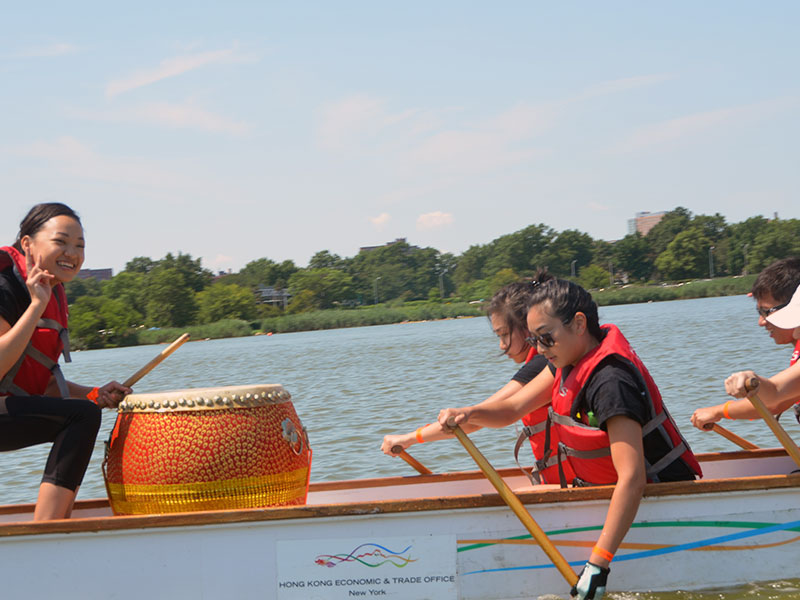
14, 296
532, 368
612, 391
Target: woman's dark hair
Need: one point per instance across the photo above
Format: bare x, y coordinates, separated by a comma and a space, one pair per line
510, 303
565, 298
39, 215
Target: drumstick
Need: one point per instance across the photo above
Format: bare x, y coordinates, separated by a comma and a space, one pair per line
156, 361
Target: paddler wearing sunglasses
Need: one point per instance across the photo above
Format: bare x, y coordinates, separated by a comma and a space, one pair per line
778, 392
507, 312
774, 290
602, 399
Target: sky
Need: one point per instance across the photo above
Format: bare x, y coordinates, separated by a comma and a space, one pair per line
240, 130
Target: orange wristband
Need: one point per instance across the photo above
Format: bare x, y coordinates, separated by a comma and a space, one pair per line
603, 553
93, 394
725, 409
419, 434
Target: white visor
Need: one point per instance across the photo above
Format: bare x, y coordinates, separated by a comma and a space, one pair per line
789, 316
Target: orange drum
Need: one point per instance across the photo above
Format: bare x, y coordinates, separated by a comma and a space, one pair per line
207, 449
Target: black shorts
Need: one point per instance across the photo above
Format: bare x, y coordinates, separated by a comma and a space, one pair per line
71, 425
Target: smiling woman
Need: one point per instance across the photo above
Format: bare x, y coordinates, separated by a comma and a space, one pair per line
37, 404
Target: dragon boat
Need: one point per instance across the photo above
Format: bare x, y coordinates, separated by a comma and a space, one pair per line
444, 536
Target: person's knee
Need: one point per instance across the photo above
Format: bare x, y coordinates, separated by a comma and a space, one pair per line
90, 415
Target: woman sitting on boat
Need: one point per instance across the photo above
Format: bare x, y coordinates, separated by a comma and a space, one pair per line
603, 402
37, 404
507, 312
779, 392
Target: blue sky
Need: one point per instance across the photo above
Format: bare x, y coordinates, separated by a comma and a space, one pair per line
241, 130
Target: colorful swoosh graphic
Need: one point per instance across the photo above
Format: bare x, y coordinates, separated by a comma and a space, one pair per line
643, 550
368, 554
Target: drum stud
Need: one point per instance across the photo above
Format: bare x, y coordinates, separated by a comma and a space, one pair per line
190, 402
157, 405
221, 401
182, 401
173, 404
152, 404
226, 401
216, 399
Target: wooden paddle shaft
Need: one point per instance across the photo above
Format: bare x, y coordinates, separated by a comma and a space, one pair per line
516, 506
153, 363
772, 422
727, 434
421, 469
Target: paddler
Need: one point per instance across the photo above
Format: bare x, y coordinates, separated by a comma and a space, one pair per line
779, 392
603, 399
37, 405
773, 291
507, 312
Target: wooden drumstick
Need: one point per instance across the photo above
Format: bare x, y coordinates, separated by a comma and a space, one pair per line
156, 361
420, 468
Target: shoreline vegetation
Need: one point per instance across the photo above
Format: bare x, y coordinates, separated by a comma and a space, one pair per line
682, 256
411, 312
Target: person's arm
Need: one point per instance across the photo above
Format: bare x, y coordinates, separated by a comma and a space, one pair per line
502, 408
14, 338
108, 396
627, 454
778, 393
503, 411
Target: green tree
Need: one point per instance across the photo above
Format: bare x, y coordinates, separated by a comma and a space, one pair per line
81, 287
191, 269
325, 260
686, 256
671, 224
169, 301
128, 287
226, 301
303, 302
593, 277
779, 238
98, 322
500, 279
742, 242
632, 255
569, 245
328, 286
140, 264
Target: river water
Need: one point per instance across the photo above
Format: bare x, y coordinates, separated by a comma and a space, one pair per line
350, 387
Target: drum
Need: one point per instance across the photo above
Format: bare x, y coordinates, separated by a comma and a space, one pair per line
207, 449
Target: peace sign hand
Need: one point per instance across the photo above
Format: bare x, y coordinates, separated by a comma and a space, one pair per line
39, 282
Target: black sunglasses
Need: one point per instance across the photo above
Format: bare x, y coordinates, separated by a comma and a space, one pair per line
545, 339
765, 312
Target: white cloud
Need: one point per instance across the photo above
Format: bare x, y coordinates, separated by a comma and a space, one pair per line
690, 125
380, 221
48, 51
615, 86
72, 157
185, 116
220, 260
434, 220
172, 67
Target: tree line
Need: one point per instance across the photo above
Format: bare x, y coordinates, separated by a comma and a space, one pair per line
178, 291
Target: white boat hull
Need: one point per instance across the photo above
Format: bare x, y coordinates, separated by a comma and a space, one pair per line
417, 537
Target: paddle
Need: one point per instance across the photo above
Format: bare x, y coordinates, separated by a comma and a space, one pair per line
156, 361
772, 422
515, 505
729, 435
421, 469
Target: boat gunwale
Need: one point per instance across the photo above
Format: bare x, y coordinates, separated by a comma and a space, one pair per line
376, 507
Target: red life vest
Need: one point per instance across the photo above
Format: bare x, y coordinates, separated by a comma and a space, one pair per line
587, 448
545, 469
31, 374
796, 353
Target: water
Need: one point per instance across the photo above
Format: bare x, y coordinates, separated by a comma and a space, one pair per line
353, 386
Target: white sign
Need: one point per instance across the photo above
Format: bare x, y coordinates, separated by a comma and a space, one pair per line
407, 568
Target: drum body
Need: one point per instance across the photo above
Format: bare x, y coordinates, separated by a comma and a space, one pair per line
207, 449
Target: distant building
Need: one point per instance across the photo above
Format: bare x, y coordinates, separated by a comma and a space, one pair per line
397, 241
643, 222
96, 274
269, 295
